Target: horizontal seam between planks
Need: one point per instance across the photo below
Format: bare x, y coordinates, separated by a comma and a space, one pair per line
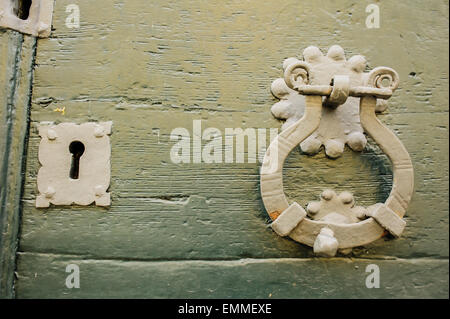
236, 260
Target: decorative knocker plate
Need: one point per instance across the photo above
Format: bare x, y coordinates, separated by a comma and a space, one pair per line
327, 100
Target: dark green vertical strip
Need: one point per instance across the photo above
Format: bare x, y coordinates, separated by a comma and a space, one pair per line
16, 104
8, 222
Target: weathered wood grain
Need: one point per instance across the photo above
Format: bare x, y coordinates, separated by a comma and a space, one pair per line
16, 62
194, 54
153, 66
243, 278
151, 196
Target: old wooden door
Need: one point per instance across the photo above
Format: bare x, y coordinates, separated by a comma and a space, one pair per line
193, 229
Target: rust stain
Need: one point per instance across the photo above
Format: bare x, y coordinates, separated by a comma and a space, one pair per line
275, 214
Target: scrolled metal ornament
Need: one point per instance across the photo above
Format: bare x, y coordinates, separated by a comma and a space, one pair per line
327, 100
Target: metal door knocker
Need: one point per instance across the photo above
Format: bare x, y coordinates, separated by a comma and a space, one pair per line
331, 101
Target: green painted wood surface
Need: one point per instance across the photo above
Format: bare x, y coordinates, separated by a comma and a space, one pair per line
153, 66
16, 62
256, 278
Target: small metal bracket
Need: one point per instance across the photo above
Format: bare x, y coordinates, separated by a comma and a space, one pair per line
75, 163
329, 100
38, 22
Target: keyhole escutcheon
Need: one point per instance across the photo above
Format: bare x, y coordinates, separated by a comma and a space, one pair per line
76, 148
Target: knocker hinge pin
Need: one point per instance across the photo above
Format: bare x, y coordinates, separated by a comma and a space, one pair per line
356, 91
381, 82
340, 89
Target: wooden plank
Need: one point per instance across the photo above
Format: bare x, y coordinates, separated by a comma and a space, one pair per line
17, 53
194, 54
243, 278
164, 210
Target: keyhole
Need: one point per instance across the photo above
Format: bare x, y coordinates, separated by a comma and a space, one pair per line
77, 149
21, 8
